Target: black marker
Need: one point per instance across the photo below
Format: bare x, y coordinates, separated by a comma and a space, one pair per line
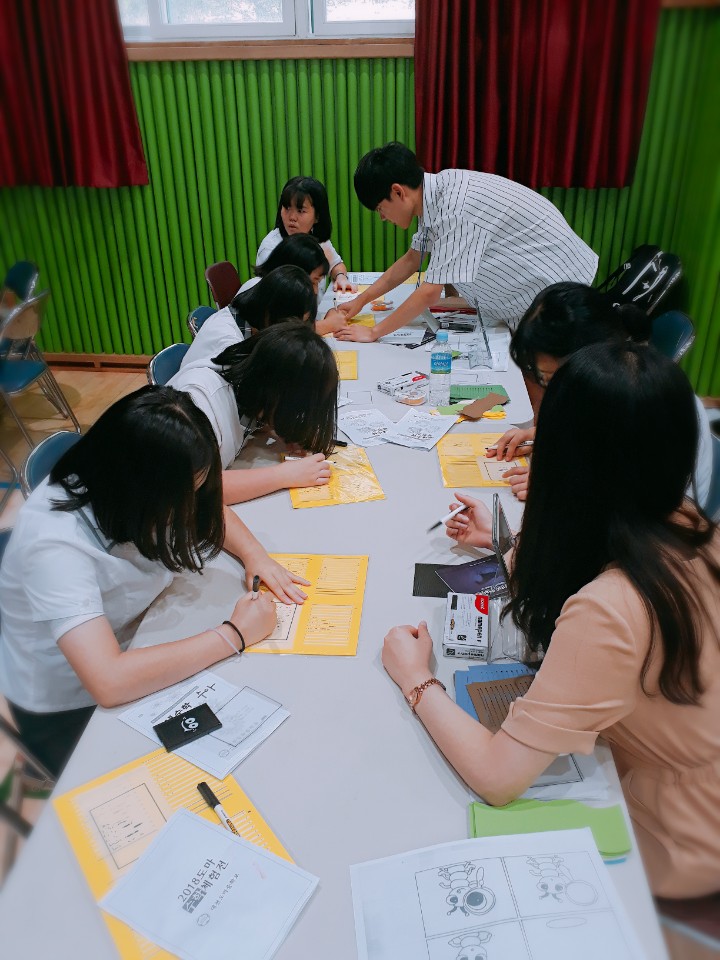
212, 801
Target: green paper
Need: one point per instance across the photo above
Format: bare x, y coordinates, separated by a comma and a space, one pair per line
533, 816
473, 391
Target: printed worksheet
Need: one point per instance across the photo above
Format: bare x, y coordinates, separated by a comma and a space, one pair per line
366, 428
352, 480
328, 623
537, 896
347, 363
112, 820
405, 335
247, 718
463, 462
198, 890
419, 429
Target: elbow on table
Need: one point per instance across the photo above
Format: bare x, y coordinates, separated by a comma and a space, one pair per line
108, 692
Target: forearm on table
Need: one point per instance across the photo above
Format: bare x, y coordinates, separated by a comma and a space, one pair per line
398, 273
242, 485
494, 766
425, 295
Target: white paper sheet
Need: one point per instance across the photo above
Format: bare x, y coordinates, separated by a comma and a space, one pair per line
247, 718
540, 896
419, 429
202, 893
412, 335
343, 400
366, 428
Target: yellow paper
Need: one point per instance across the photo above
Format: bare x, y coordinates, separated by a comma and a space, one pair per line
347, 364
328, 623
463, 462
352, 480
363, 320
110, 821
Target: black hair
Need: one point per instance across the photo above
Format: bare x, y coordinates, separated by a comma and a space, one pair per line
379, 169
137, 468
567, 316
284, 293
295, 192
287, 376
300, 250
584, 512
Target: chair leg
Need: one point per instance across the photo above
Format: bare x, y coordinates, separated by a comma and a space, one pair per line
14, 479
61, 400
18, 421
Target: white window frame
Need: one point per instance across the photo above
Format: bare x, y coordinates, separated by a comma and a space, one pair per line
322, 28
302, 19
160, 30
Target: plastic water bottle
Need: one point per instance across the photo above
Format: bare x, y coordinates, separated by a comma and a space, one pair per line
440, 364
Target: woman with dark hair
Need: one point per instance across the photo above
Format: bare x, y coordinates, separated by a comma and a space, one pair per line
616, 576
304, 208
300, 250
136, 500
561, 320
285, 377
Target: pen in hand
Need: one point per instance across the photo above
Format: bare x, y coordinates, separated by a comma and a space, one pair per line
448, 516
255, 587
212, 801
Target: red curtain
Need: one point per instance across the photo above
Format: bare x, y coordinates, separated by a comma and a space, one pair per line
67, 116
545, 92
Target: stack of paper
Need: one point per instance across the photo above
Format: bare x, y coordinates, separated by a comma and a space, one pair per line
366, 428
419, 429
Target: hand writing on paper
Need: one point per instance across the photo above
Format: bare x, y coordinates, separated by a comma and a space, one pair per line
351, 308
255, 619
333, 321
519, 480
283, 583
509, 442
474, 526
406, 655
310, 471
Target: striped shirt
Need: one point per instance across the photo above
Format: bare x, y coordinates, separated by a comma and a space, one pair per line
498, 242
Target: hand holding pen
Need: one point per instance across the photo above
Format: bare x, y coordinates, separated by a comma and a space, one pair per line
514, 442
470, 522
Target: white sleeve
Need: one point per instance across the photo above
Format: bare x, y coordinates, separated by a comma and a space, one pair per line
704, 463
60, 583
333, 257
267, 246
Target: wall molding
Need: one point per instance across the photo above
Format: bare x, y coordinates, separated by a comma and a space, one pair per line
98, 361
272, 49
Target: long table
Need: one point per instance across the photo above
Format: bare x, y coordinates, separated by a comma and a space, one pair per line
352, 775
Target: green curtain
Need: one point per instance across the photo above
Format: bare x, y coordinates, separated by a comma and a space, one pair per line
125, 266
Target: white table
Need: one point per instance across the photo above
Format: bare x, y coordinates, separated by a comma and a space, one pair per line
352, 775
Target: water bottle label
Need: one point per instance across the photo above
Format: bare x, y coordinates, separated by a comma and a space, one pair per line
440, 363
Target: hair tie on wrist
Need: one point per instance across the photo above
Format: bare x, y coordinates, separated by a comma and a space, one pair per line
229, 623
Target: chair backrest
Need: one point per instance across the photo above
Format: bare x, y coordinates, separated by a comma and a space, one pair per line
43, 458
712, 507
672, 334
24, 321
165, 365
645, 278
224, 282
21, 279
197, 317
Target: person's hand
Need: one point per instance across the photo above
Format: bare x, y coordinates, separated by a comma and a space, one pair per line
282, 582
406, 655
310, 471
255, 619
351, 308
342, 284
509, 442
473, 527
357, 333
333, 320
519, 478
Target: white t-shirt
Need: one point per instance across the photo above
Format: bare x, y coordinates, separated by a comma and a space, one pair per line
58, 572
249, 283
700, 488
269, 243
215, 397
498, 242
218, 332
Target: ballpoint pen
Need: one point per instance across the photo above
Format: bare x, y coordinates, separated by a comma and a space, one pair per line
448, 516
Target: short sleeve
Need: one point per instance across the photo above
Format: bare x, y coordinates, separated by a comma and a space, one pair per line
267, 245
333, 257
60, 582
590, 677
457, 252
417, 242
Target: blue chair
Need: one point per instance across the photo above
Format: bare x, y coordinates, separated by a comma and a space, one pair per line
165, 365
197, 317
43, 458
672, 334
21, 368
20, 282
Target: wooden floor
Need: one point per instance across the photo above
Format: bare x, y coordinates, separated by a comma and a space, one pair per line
89, 393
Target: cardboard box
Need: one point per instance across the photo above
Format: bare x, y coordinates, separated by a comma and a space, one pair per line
467, 626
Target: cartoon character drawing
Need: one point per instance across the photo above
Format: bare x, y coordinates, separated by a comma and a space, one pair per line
557, 882
471, 945
467, 893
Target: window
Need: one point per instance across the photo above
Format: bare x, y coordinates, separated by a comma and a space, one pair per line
237, 19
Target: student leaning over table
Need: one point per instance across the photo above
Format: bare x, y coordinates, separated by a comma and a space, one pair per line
561, 320
497, 242
616, 576
283, 379
136, 500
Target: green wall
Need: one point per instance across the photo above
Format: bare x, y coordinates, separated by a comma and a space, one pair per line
126, 265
